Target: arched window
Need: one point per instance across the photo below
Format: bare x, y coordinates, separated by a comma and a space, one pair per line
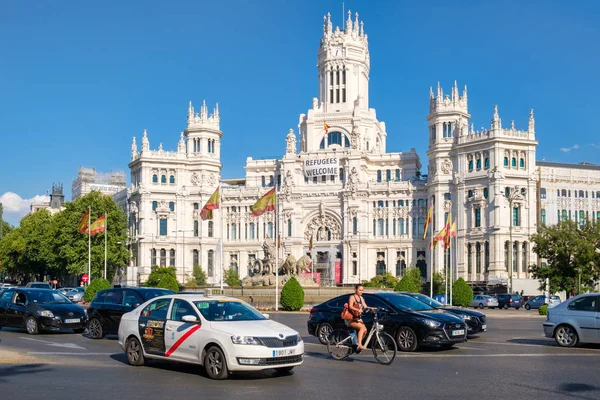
154, 205
210, 229
171, 206
581, 193
154, 178
485, 193
270, 229
397, 175
543, 216
564, 216
163, 258
388, 175
469, 259
195, 258
420, 226
172, 258
354, 225
163, 179
172, 179
334, 139
478, 257
486, 163
470, 165
378, 176
506, 161
521, 163
196, 226
263, 181
380, 203
251, 227
401, 226
563, 193
380, 226
478, 163
524, 257
513, 162
234, 231
210, 263
153, 257
469, 193
421, 202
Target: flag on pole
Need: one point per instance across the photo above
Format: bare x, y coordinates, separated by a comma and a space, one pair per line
453, 229
310, 243
97, 226
326, 127
428, 220
444, 234
83, 222
264, 204
211, 204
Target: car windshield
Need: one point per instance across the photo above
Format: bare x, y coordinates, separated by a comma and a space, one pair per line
427, 300
47, 297
406, 303
227, 310
152, 293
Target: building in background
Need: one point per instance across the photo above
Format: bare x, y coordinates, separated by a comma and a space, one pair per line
367, 217
89, 179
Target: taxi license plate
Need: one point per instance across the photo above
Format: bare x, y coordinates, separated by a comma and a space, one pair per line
283, 353
458, 332
484, 327
72, 321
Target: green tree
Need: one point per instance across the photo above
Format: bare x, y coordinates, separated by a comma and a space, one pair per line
439, 284
94, 287
462, 293
292, 295
386, 280
198, 277
568, 251
168, 282
232, 278
157, 273
411, 281
70, 250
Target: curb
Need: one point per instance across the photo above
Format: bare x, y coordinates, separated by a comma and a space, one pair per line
12, 357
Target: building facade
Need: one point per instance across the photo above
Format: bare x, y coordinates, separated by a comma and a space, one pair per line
368, 217
89, 179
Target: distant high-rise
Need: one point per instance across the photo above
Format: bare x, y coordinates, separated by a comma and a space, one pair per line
89, 179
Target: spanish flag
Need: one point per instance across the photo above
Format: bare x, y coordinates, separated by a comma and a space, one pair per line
211, 204
453, 229
264, 204
444, 234
84, 222
97, 226
326, 127
428, 220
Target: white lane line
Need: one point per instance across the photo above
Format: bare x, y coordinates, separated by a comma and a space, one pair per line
54, 344
469, 348
534, 345
399, 355
62, 353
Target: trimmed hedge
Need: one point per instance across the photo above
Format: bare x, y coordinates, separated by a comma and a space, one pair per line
168, 282
292, 295
410, 282
543, 310
93, 288
462, 293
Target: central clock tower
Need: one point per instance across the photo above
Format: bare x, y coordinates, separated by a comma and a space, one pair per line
343, 65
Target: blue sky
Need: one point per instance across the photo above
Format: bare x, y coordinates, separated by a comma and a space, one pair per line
79, 79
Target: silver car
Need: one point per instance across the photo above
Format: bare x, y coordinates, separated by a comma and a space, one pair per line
481, 301
574, 321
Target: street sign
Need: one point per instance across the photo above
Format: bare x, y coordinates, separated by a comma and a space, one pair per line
85, 277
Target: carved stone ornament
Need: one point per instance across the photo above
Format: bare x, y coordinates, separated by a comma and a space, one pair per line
290, 147
355, 138
446, 166
195, 179
162, 207
447, 205
133, 208
212, 179
196, 214
287, 187
353, 181
495, 173
323, 228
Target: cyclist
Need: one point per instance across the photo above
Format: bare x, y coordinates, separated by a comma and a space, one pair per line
357, 306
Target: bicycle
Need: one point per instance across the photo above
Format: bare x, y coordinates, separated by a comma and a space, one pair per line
341, 343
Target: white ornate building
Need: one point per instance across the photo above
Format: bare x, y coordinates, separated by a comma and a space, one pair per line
369, 217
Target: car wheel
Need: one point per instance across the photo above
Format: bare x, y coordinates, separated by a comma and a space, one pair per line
135, 353
95, 329
527, 307
505, 307
215, 363
284, 370
481, 305
566, 336
324, 331
407, 339
31, 325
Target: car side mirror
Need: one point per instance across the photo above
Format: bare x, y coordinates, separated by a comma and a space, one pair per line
189, 318
267, 316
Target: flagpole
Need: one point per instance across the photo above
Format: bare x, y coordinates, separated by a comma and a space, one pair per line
221, 256
431, 248
89, 244
450, 263
105, 240
276, 252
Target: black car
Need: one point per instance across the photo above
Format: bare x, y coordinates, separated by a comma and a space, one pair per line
39, 310
107, 307
510, 301
412, 322
476, 321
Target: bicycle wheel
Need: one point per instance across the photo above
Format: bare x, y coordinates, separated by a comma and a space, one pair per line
339, 344
384, 348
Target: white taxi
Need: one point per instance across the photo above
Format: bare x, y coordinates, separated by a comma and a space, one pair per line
221, 333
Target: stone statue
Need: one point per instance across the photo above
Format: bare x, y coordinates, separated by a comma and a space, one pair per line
195, 180
303, 264
269, 249
288, 267
290, 147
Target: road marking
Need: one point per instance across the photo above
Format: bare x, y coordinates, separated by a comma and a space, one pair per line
534, 345
62, 353
469, 348
421, 355
54, 344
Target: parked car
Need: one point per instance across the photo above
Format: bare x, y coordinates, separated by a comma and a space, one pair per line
5, 286
481, 301
574, 321
476, 321
507, 301
221, 333
76, 294
538, 301
38, 285
412, 322
108, 306
65, 290
39, 310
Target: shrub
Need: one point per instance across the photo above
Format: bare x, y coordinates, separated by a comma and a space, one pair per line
543, 310
410, 282
199, 275
157, 273
462, 293
387, 280
292, 295
232, 278
93, 288
168, 282
439, 284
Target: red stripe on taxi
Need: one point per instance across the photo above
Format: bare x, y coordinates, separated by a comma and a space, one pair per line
181, 340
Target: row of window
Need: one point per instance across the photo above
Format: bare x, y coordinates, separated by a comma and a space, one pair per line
381, 226
578, 216
163, 179
513, 162
474, 251
337, 86
400, 203
518, 258
159, 257
446, 130
567, 193
334, 138
171, 206
196, 145
516, 216
388, 175
474, 161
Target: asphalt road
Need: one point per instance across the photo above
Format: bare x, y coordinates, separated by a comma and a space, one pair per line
511, 361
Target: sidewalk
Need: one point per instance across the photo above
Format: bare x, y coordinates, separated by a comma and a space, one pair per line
13, 357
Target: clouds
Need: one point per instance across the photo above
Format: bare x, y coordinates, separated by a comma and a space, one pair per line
568, 149
15, 208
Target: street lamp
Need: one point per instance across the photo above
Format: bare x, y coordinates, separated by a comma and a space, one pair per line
511, 194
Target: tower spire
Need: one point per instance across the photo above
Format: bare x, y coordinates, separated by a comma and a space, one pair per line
190, 112
349, 22
496, 121
455, 97
145, 142
133, 148
356, 26
203, 111
531, 127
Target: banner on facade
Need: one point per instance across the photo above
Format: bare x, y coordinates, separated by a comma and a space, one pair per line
321, 166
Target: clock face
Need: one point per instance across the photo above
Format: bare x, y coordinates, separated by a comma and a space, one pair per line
336, 51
